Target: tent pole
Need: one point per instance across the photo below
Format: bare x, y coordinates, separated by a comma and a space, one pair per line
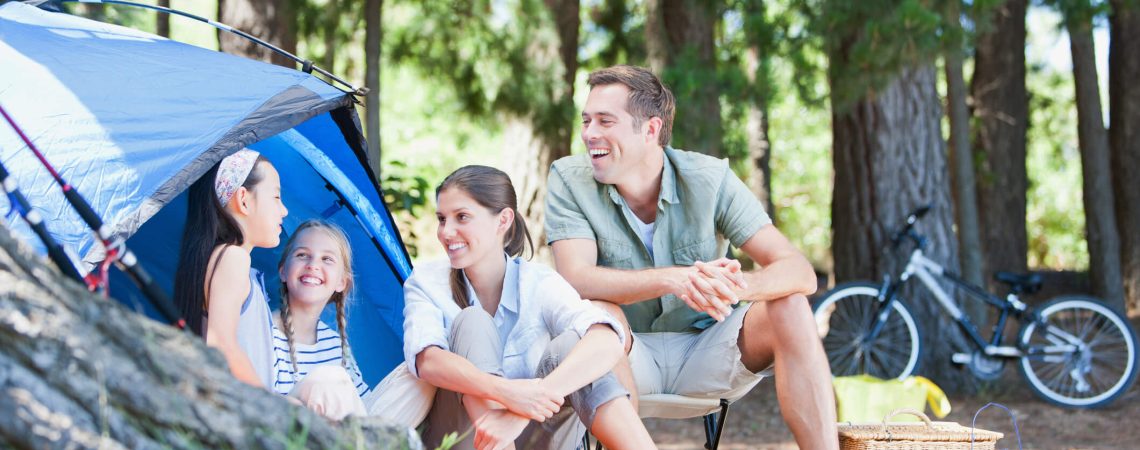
221, 26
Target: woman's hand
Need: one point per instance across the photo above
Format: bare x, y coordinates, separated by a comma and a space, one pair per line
529, 398
498, 429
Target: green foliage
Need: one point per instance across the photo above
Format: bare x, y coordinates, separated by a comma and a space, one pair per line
452, 439
1055, 209
870, 41
497, 56
406, 194
617, 31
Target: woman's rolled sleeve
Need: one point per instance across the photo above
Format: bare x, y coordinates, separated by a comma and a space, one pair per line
423, 324
563, 309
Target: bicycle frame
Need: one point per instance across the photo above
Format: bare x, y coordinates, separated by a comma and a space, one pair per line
926, 270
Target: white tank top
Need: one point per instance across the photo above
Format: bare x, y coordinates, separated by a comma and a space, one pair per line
255, 330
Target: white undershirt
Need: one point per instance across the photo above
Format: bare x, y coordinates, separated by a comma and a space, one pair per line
645, 230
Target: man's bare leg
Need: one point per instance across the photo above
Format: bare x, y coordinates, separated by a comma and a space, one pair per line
784, 331
622, 370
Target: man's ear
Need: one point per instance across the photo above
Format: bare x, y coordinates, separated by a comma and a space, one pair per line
653, 129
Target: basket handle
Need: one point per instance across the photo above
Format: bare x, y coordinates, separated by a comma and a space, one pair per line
911, 411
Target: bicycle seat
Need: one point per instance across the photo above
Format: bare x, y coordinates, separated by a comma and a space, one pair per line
1020, 283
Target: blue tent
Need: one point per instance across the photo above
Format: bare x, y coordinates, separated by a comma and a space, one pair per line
132, 119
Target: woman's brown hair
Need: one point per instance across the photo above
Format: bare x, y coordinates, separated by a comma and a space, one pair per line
491, 188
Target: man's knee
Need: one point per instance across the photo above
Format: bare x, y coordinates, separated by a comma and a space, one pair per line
792, 310
615, 311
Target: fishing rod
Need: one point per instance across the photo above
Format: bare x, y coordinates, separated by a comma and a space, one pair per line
307, 66
116, 247
20, 203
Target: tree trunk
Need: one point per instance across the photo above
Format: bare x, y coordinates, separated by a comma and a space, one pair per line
532, 167
373, 40
962, 169
1001, 111
759, 146
1124, 138
93, 11
889, 157
268, 20
162, 20
332, 22
1100, 218
681, 42
78, 370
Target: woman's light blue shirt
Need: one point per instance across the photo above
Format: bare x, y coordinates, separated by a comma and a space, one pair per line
536, 306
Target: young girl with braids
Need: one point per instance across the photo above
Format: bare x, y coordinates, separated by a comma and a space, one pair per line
316, 269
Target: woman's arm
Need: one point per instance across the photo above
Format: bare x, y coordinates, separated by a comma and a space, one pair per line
593, 356
425, 351
228, 290
526, 397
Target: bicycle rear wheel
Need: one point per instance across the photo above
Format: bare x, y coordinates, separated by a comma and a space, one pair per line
1085, 357
846, 316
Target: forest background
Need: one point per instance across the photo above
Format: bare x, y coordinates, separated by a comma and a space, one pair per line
1016, 119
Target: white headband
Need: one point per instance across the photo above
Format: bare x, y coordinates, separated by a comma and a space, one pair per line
232, 172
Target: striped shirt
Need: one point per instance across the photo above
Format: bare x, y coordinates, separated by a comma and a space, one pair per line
326, 351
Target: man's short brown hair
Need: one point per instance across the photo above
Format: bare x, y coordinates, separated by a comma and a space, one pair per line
648, 97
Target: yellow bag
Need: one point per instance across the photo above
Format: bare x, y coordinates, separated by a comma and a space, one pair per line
864, 398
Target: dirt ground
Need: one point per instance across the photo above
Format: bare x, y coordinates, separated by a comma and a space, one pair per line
754, 422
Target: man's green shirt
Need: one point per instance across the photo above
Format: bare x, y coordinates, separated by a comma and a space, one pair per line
702, 208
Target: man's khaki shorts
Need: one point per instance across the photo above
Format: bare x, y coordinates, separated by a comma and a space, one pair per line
702, 364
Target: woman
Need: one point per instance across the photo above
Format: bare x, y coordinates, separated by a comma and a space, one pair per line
506, 340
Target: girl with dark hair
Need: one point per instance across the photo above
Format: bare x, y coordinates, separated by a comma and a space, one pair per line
233, 208
509, 344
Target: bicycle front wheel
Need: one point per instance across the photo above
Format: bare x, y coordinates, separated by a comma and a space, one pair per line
846, 316
1084, 356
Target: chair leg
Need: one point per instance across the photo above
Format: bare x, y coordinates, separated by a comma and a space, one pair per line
586, 442
714, 426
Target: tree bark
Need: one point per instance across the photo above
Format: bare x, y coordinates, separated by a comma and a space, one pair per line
1100, 217
78, 370
1124, 138
681, 42
759, 145
373, 40
332, 22
962, 169
1001, 111
162, 20
889, 157
532, 167
268, 20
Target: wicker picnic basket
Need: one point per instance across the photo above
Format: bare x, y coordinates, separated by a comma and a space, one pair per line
913, 435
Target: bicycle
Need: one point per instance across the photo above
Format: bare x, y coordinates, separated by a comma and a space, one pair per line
1072, 350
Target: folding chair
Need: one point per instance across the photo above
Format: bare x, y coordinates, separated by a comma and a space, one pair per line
672, 406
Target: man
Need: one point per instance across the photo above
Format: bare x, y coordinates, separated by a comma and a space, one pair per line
639, 224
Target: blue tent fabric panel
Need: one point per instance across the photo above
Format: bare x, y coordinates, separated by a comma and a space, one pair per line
318, 141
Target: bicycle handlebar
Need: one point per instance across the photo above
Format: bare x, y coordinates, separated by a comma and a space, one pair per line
907, 230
